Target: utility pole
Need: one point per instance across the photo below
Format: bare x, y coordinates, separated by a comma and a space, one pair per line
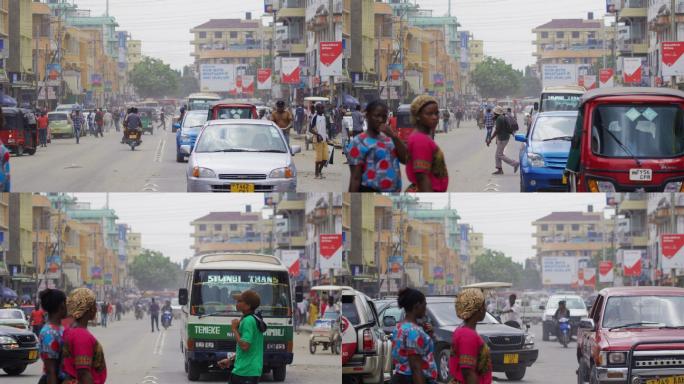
331, 226
331, 26
673, 26
673, 229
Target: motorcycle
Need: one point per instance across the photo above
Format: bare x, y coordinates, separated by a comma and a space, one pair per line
133, 138
166, 319
564, 331
138, 312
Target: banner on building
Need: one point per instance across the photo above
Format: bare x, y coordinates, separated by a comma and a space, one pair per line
588, 277
464, 43
672, 250
53, 71
330, 62
264, 78
291, 260
123, 228
290, 70
54, 263
631, 70
3, 49
95, 274
96, 80
631, 262
396, 268
217, 77
123, 60
606, 274
330, 250
606, 79
559, 75
248, 84
559, 270
394, 73
438, 273
51, 95
438, 80
588, 81
673, 58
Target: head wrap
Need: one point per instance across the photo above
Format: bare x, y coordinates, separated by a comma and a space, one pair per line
499, 110
79, 302
419, 103
468, 302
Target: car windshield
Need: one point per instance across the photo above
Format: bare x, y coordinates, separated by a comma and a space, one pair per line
10, 314
639, 130
549, 128
194, 120
57, 117
331, 315
570, 303
213, 292
560, 102
241, 138
200, 105
234, 113
666, 311
445, 313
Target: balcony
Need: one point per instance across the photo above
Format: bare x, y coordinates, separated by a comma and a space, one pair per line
294, 239
639, 9
294, 12
633, 205
291, 205
633, 46
291, 46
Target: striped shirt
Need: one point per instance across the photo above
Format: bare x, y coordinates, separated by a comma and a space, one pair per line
77, 121
489, 119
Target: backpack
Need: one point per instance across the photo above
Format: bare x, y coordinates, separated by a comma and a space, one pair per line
512, 124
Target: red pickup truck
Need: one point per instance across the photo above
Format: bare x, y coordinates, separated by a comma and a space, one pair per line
634, 335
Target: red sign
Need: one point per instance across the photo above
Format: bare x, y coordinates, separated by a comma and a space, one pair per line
290, 70
330, 51
632, 262
632, 69
605, 267
672, 52
264, 74
330, 244
605, 74
672, 246
295, 268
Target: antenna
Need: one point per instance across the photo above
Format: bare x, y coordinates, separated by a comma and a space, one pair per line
449, 8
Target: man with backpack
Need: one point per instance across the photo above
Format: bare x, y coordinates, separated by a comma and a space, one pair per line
503, 129
249, 338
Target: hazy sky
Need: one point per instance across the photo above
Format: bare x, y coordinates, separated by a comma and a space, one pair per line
164, 219
506, 218
505, 25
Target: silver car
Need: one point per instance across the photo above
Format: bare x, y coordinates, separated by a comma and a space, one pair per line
241, 156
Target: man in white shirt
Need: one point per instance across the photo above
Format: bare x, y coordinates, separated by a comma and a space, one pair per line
511, 312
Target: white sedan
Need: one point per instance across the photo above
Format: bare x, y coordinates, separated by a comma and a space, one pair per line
13, 318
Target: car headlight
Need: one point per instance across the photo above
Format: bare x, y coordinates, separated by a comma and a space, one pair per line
281, 173
600, 186
529, 341
617, 358
674, 186
7, 342
535, 159
203, 173
185, 138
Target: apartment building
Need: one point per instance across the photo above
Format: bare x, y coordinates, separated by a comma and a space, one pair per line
229, 232
659, 23
229, 41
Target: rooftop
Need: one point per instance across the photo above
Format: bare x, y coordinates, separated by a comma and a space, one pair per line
229, 216
571, 24
229, 24
570, 216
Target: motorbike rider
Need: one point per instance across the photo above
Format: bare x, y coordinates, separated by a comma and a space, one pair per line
562, 311
132, 121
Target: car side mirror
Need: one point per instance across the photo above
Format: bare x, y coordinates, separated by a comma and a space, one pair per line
295, 149
542, 307
176, 126
587, 324
521, 138
389, 321
185, 149
183, 296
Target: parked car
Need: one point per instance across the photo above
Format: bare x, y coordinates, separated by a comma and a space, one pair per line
512, 349
18, 349
241, 156
187, 131
545, 151
633, 335
13, 317
60, 125
575, 305
371, 358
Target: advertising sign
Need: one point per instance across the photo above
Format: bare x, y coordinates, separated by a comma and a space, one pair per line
54, 262
631, 70
613, 6
395, 267
290, 70
96, 80
395, 71
558, 270
606, 274
53, 71
248, 84
271, 6
631, 262
559, 75
438, 273
672, 248
330, 249
589, 277
3, 50
51, 95
673, 58
264, 78
95, 273
588, 81
217, 77
122, 60
122, 242
465, 56
438, 80
606, 78
330, 58
108, 279
291, 260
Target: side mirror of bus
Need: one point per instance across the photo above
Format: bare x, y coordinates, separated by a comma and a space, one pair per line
299, 294
183, 296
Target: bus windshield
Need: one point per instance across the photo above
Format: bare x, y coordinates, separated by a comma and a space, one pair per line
213, 292
559, 102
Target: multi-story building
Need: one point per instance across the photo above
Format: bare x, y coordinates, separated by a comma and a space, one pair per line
632, 208
133, 53
292, 42
665, 216
229, 232
20, 254
43, 246
4, 229
323, 212
19, 63
632, 38
660, 30
228, 41
291, 236
133, 246
323, 24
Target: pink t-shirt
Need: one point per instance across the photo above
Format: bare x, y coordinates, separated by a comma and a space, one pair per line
468, 350
426, 157
81, 350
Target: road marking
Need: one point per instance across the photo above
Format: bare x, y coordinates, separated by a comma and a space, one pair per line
150, 187
156, 343
73, 166
159, 152
159, 344
492, 187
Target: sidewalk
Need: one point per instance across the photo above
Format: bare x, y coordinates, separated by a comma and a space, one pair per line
336, 175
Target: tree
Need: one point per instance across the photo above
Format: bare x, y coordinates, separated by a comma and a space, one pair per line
188, 82
531, 86
495, 266
494, 78
152, 78
151, 270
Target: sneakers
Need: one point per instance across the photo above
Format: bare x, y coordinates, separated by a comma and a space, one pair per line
498, 172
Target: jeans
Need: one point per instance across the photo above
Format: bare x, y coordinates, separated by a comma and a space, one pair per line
489, 132
77, 133
501, 156
42, 135
236, 379
154, 319
104, 320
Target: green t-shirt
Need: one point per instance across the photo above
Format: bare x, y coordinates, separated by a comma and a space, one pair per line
251, 361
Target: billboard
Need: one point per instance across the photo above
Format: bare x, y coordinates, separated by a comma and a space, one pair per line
588, 81
673, 58
559, 270
395, 267
606, 79
330, 62
559, 75
631, 70
217, 77
96, 80
631, 262
122, 242
53, 71
394, 74
264, 78
330, 250
606, 274
291, 260
672, 250
464, 38
290, 70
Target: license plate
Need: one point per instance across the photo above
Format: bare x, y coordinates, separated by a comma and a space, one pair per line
565, 180
33, 355
511, 358
132, 136
667, 380
637, 174
246, 188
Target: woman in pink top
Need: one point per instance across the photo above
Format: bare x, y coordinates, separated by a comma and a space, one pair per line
470, 361
426, 168
83, 358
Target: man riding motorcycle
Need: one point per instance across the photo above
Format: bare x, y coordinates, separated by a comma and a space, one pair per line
132, 121
167, 313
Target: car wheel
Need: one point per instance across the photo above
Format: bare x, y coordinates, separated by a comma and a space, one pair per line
279, 373
312, 348
15, 371
443, 364
582, 376
545, 332
516, 375
194, 371
180, 158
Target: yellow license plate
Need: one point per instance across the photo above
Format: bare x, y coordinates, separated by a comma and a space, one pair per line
246, 188
565, 179
132, 136
511, 358
667, 380
33, 355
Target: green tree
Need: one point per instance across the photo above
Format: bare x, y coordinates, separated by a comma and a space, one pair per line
531, 86
188, 82
494, 78
151, 270
496, 266
152, 78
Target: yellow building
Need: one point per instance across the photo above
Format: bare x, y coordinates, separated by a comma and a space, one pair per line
19, 47
41, 37
385, 32
633, 39
292, 14
230, 232
476, 53
133, 246
133, 53
42, 216
228, 41
571, 41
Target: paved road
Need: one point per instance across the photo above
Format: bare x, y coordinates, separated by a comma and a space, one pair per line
135, 355
555, 365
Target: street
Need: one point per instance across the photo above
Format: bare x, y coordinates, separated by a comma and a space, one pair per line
555, 363
155, 358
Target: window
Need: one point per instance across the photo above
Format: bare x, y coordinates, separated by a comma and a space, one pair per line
218, 35
560, 227
233, 35
575, 35
592, 35
544, 227
575, 227
217, 227
591, 227
202, 35
202, 227
233, 227
544, 35
560, 35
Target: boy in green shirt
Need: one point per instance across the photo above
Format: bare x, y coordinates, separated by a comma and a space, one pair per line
249, 338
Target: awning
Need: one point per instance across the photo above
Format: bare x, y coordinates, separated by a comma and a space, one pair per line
8, 293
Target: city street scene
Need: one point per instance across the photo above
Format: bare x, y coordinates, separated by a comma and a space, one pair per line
296, 96
564, 282
166, 284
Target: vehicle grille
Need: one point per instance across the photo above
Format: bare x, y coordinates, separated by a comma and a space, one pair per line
644, 362
236, 176
505, 342
555, 162
26, 340
226, 188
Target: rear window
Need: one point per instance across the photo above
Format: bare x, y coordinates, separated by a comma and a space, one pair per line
57, 117
349, 310
13, 121
234, 113
11, 314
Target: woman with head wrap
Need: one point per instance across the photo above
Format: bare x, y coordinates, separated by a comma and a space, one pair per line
470, 361
412, 345
84, 361
426, 167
